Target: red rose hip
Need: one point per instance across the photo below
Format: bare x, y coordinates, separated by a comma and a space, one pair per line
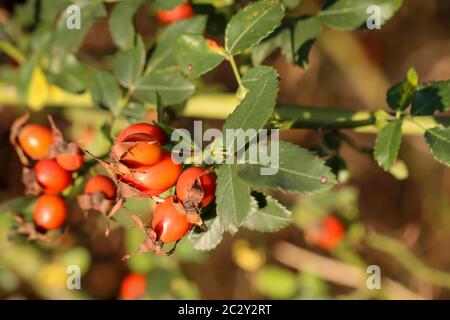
180, 12
101, 184
133, 286
50, 212
169, 224
35, 140
146, 128
51, 176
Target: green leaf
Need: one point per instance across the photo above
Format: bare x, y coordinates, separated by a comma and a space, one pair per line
73, 75
66, 41
164, 54
19, 205
438, 140
121, 23
41, 38
268, 46
160, 112
49, 9
298, 171
25, 14
431, 97
195, 57
105, 91
25, 73
291, 4
166, 4
232, 197
172, 88
305, 32
388, 143
269, 216
258, 105
159, 282
252, 24
295, 38
129, 64
134, 112
208, 240
276, 283
399, 96
352, 14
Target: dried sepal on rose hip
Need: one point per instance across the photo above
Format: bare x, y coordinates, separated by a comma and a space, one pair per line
28, 229
68, 154
168, 225
100, 194
110, 207
145, 128
196, 186
137, 151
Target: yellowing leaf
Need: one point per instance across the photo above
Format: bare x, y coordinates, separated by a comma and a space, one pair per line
38, 90
52, 276
247, 258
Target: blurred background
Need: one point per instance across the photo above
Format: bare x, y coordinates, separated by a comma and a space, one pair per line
402, 226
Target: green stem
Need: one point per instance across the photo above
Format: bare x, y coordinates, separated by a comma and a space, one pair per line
220, 105
399, 252
306, 117
123, 102
12, 51
351, 143
236, 72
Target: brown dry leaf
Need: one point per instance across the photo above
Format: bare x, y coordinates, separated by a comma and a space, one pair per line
32, 187
14, 133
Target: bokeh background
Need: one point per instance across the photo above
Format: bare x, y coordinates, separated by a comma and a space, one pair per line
403, 226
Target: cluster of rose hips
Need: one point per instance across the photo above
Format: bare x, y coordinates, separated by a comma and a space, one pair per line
143, 167
48, 162
327, 234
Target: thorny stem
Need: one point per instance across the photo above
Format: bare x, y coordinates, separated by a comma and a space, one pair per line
399, 252
199, 106
336, 271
